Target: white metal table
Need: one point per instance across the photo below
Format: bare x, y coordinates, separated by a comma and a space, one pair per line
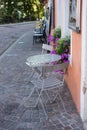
40, 60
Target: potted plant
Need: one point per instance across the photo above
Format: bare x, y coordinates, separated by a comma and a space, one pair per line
55, 37
62, 48
57, 33
63, 45
60, 45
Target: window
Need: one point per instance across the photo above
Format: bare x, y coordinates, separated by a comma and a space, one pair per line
74, 14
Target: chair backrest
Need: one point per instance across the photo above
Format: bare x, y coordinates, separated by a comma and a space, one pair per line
46, 47
58, 69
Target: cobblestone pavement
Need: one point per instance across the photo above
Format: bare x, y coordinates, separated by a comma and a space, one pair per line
15, 88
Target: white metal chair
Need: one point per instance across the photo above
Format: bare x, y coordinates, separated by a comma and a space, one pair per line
40, 33
49, 81
46, 47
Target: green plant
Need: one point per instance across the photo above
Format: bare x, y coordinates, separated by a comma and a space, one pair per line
55, 37
57, 33
63, 45
67, 39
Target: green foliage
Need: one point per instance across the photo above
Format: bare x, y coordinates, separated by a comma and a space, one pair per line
30, 9
57, 33
63, 45
67, 39
41, 1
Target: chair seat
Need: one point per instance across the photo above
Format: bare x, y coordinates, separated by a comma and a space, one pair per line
49, 82
38, 34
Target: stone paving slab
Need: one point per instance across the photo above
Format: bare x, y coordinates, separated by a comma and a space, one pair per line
15, 88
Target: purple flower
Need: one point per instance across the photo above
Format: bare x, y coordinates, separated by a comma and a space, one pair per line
65, 43
60, 72
50, 38
64, 57
66, 51
53, 52
56, 41
66, 60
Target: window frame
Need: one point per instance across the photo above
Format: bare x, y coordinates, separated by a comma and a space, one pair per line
75, 15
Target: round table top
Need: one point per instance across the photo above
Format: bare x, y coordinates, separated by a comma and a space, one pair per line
40, 60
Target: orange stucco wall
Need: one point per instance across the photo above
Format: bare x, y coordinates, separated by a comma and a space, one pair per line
73, 77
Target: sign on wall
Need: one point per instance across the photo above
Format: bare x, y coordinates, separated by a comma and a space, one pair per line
74, 14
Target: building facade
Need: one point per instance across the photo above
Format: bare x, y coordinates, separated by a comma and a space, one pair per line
71, 16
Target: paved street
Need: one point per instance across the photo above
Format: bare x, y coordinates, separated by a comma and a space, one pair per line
15, 113
11, 32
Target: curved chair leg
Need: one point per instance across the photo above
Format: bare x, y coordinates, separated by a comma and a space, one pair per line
48, 97
62, 102
39, 99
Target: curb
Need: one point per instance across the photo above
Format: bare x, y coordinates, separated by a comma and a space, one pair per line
14, 24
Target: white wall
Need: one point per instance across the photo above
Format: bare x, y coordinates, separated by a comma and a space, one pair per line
63, 15
83, 103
